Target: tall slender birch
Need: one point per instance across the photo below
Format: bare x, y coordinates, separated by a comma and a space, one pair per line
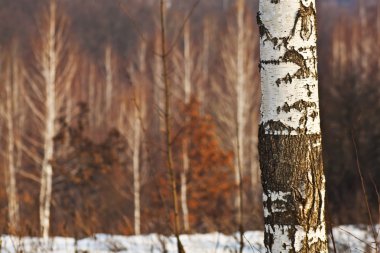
158, 88
130, 123
185, 144
12, 84
238, 58
136, 123
240, 117
364, 43
109, 67
201, 89
290, 136
48, 83
50, 65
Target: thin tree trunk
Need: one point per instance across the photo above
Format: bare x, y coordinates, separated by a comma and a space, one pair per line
19, 106
364, 43
91, 96
109, 77
136, 170
378, 37
139, 111
168, 138
11, 188
290, 137
185, 144
240, 116
50, 64
158, 87
205, 64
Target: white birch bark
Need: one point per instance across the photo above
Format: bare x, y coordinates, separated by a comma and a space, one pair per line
49, 72
91, 98
364, 42
185, 144
46, 94
235, 109
201, 90
109, 78
158, 88
290, 136
131, 121
240, 109
19, 107
136, 170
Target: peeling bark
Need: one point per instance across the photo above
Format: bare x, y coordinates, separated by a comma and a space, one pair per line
289, 136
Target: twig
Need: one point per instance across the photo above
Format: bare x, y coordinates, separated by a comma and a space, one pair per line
363, 188
357, 238
168, 128
252, 247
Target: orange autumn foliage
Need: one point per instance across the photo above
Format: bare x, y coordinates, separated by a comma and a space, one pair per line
210, 179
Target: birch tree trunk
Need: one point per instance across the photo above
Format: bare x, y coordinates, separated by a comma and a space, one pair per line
136, 169
201, 89
364, 43
158, 88
109, 78
46, 93
240, 115
185, 143
290, 136
11, 188
49, 66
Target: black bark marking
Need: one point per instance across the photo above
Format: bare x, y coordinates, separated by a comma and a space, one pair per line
277, 126
308, 18
264, 32
300, 105
307, 86
314, 114
294, 57
298, 59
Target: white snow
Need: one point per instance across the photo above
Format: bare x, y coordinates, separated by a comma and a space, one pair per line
349, 238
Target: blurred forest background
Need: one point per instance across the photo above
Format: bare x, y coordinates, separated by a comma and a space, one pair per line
108, 138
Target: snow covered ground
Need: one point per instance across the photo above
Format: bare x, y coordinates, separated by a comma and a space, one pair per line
347, 239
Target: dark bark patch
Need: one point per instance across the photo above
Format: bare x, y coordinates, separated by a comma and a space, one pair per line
293, 164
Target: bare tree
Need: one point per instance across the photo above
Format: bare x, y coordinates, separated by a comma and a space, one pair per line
184, 60
132, 119
290, 136
13, 116
167, 120
48, 83
238, 99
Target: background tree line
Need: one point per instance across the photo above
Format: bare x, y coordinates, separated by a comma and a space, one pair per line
81, 90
